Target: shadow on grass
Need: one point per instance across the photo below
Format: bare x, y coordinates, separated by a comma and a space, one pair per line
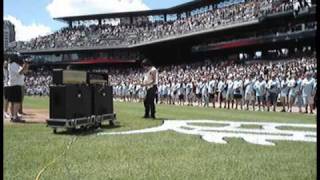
85, 131
156, 119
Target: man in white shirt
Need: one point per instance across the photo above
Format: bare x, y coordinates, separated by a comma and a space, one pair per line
15, 82
308, 92
150, 82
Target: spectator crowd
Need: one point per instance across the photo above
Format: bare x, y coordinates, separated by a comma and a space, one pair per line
140, 32
37, 83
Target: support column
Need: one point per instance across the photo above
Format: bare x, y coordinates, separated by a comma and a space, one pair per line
131, 19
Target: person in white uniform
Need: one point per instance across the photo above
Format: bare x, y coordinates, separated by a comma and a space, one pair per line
260, 89
308, 92
249, 95
293, 90
284, 92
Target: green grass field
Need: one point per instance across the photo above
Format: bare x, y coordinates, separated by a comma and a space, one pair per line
28, 148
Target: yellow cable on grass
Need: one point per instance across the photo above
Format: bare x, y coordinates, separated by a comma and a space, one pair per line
55, 159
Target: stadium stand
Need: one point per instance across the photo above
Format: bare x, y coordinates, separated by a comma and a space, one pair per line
123, 35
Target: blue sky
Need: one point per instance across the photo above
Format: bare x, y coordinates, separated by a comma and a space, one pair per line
35, 17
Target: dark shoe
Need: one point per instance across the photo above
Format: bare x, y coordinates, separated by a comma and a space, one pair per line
145, 117
153, 117
17, 120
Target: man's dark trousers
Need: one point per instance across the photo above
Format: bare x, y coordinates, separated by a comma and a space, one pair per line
149, 104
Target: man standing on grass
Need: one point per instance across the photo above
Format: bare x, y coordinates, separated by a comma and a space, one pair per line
16, 80
150, 81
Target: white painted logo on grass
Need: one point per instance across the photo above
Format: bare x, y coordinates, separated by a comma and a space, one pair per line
217, 131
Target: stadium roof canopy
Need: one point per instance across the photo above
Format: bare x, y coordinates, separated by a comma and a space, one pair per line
173, 10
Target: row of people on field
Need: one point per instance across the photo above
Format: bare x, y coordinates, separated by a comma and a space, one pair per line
234, 92
227, 84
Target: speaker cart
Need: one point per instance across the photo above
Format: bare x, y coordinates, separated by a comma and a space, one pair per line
80, 101
95, 121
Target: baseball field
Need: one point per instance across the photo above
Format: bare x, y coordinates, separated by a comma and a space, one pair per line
32, 151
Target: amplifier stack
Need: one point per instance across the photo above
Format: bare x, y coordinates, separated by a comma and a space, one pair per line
80, 100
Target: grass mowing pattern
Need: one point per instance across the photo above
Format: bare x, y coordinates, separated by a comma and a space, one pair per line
164, 155
250, 126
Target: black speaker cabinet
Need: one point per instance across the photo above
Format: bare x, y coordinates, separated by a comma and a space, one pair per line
57, 76
69, 77
102, 99
70, 101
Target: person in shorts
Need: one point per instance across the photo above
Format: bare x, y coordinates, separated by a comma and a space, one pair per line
16, 78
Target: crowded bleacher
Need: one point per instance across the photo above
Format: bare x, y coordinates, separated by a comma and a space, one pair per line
130, 34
